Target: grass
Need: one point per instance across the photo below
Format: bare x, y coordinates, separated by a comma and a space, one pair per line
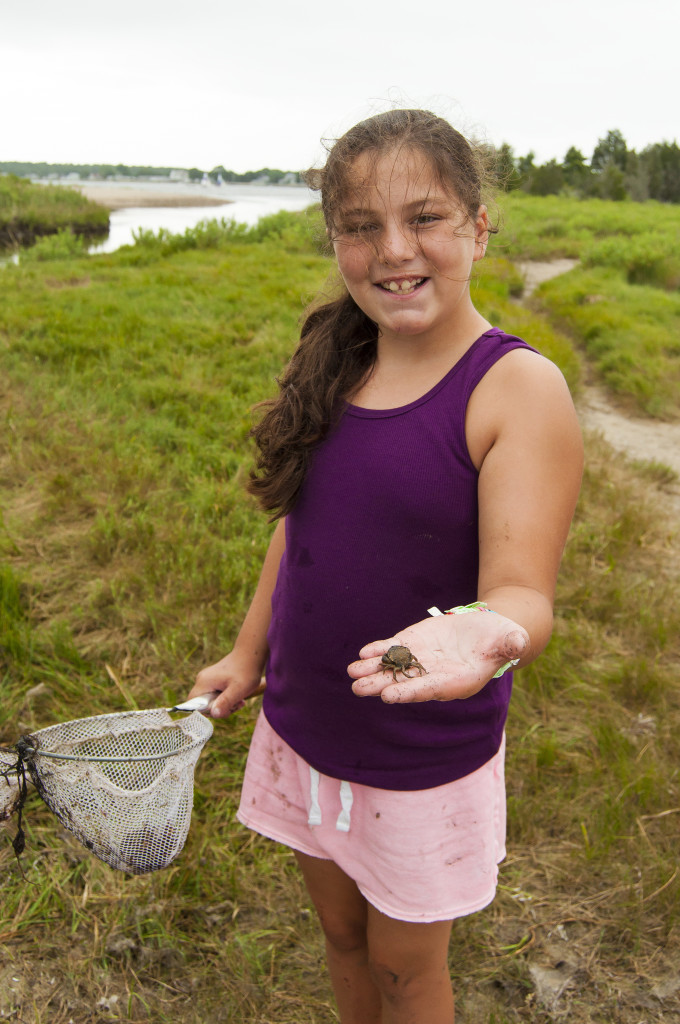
29, 211
126, 540
621, 305
552, 227
630, 333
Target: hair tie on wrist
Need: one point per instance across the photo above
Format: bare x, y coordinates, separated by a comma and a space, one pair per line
476, 606
463, 609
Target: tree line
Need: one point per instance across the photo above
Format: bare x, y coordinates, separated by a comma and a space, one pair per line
613, 172
28, 169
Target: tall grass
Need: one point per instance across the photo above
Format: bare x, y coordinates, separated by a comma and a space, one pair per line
129, 552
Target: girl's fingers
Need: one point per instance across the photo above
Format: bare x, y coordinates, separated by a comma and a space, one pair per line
415, 691
516, 643
231, 699
376, 649
366, 667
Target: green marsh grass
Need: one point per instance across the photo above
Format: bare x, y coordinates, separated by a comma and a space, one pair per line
29, 211
629, 332
621, 305
552, 227
128, 553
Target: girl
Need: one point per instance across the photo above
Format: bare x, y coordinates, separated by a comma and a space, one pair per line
416, 458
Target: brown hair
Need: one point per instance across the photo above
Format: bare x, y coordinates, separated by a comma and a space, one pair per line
338, 342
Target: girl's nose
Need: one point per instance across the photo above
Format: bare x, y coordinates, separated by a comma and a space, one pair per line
395, 246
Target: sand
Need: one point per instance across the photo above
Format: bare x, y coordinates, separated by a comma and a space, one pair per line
122, 196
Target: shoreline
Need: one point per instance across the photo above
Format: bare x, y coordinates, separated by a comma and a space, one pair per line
124, 197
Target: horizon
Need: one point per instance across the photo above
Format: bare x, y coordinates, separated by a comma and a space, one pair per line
269, 166
157, 84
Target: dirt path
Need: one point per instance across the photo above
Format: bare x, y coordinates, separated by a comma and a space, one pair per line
642, 439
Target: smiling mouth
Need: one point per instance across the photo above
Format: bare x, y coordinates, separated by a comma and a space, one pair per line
403, 287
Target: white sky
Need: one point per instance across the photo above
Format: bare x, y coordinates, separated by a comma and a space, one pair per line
187, 84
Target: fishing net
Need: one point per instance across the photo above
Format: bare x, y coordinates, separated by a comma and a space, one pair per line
10, 793
122, 783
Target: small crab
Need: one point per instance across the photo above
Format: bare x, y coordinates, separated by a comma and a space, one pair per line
398, 659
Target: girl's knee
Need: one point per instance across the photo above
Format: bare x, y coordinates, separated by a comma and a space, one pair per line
390, 981
343, 935
422, 992
405, 966
395, 979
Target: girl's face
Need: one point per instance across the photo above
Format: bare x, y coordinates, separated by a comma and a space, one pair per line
405, 247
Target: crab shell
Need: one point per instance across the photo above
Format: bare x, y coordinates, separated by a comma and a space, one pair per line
399, 659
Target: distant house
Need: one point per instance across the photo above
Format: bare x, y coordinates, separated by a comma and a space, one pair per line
179, 175
291, 178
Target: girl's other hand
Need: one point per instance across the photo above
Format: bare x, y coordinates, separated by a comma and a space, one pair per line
235, 680
459, 653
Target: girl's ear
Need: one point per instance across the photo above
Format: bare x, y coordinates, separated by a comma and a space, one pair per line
481, 233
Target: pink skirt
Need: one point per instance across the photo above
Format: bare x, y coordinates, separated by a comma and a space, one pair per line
423, 855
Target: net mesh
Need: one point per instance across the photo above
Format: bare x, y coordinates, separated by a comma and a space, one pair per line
10, 794
133, 810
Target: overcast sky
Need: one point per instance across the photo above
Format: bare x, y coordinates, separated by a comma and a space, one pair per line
196, 84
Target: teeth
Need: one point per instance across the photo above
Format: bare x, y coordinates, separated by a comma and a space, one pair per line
403, 286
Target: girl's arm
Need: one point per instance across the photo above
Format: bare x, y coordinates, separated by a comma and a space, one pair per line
529, 453
239, 673
524, 438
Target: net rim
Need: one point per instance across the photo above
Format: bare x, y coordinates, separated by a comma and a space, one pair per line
37, 752
195, 741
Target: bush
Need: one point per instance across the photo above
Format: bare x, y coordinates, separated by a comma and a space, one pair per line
62, 245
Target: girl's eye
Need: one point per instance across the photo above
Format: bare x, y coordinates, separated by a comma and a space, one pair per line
426, 218
358, 229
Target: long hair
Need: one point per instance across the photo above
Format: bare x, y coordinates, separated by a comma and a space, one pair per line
338, 342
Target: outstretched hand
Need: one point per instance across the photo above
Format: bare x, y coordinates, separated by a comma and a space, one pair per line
459, 655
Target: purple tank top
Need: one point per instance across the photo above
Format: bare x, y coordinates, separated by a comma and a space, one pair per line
384, 528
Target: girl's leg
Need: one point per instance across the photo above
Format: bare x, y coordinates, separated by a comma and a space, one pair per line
343, 913
409, 964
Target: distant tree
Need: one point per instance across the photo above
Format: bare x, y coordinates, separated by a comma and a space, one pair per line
609, 183
636, 177
546, 180
662, 164
525, 164
610, 150
525, 168
195, 174
505, 167
575, 168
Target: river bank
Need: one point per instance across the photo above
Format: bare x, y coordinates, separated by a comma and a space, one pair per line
126, 195
123, 196
176, 207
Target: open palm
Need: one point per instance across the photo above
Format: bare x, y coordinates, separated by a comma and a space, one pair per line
459, 655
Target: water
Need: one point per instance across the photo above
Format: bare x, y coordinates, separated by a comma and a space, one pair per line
247, 204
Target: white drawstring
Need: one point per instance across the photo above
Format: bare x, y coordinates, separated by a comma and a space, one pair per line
346, 800
314, 809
